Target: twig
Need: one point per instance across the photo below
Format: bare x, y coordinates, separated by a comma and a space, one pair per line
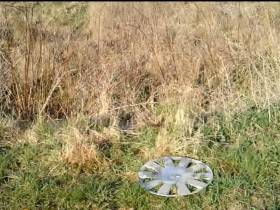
132, 105
52, 90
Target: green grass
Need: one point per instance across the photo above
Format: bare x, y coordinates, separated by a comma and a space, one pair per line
243, 153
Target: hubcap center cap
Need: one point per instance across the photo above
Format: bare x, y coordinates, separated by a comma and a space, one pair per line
171, 175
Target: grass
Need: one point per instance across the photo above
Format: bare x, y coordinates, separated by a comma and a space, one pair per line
243, 153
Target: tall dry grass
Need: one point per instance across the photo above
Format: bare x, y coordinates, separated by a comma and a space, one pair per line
110, 59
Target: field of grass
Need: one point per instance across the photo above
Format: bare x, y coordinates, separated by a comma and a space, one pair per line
89, 92
243, 153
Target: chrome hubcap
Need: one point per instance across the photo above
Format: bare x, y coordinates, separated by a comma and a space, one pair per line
175, 176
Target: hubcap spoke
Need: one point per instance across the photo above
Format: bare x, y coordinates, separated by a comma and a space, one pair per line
164, 189
195, 183
207, 176
152, 184
154, 166
168, 162
182, 189
146, 175
196, 167
184, 162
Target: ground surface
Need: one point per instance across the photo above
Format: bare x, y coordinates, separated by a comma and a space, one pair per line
243, 153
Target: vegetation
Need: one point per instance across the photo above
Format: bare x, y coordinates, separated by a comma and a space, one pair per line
91, 91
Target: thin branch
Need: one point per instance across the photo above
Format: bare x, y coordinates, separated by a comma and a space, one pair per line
52, 90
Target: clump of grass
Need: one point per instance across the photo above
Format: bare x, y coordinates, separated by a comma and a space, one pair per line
82, 146
80, 155
79, 150
8, 132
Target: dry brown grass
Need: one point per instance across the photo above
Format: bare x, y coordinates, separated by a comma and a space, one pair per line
8, 133
101, 59
82, 150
